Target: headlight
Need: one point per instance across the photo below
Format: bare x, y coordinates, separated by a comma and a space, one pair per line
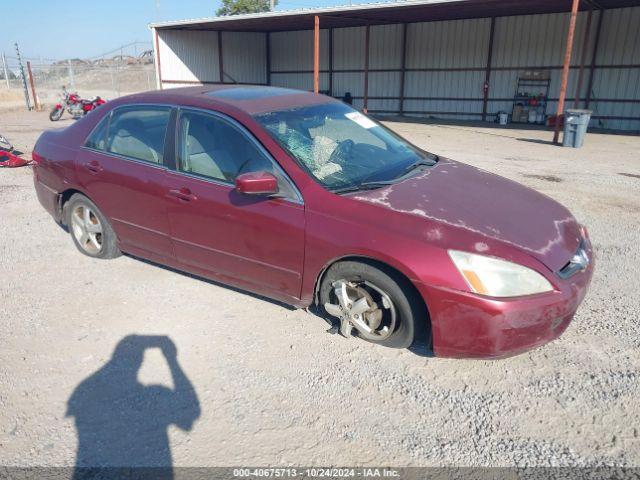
498, 278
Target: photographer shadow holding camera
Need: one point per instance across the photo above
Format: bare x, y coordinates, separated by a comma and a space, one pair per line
122, 424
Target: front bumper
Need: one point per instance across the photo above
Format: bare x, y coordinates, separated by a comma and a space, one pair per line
465, 325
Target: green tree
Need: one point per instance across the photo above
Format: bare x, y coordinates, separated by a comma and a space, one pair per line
238, 7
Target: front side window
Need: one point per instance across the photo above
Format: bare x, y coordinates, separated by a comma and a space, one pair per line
212, 147
342, 148
138, 132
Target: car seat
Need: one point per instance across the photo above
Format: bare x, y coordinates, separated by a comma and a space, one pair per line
130, 140
205, 152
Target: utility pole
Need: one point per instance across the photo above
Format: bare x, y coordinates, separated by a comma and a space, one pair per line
36, 103
24, 78
565, 69
316, 55
272, 5
6, 71
72, 80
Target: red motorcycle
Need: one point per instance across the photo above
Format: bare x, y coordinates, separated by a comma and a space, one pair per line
76, 106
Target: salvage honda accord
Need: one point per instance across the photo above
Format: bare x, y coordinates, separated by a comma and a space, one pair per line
303, 199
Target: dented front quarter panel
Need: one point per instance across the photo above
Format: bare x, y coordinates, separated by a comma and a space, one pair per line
412, 224
465, 208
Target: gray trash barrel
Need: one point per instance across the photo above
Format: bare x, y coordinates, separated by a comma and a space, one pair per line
575, 127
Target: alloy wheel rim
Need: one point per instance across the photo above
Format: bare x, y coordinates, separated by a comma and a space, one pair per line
364, 306
87, 229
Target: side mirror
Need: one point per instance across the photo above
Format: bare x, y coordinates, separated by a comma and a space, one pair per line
257, 183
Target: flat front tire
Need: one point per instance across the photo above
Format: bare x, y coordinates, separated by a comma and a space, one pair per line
375, 304
89, 228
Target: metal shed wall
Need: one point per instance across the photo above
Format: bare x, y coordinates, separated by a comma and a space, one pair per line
533, 42
244, 57
291, 58
446, 65
188, 56
617, 77
192, 57
445, 68
348, 63
441, 72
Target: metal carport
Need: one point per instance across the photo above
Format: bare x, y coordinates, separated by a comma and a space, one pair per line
439, 58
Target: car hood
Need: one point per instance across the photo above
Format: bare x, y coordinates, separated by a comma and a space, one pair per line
486, 208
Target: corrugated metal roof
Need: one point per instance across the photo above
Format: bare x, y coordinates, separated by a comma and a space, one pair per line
291, 12
383, 13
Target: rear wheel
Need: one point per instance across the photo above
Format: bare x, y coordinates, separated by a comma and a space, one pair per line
377, 305
56, 114
91, 232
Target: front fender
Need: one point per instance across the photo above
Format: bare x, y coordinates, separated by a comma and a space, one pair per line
330, 239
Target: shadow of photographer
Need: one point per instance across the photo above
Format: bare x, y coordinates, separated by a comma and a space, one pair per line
121, 423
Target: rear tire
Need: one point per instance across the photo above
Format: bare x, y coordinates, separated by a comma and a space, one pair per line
89, 228
410, 316
56, 114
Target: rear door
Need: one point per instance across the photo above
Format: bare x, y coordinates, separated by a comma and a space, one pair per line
254, 241
122, 169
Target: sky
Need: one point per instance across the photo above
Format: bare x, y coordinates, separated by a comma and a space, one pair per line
59, 29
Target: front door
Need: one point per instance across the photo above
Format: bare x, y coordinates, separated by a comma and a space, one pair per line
121, 169
255, 242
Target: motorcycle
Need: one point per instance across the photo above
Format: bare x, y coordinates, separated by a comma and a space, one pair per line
75, 105
10, 157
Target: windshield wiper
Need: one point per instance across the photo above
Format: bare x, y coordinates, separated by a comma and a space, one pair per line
361, 187
420, 163
423, 162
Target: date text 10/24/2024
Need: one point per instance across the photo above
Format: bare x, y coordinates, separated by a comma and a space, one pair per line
316, 472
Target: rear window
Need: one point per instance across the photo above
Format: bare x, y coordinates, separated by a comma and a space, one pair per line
138, 132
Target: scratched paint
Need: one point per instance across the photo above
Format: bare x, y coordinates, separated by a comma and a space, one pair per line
462, 197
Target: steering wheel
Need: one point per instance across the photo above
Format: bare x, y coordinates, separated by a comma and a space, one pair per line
342, 150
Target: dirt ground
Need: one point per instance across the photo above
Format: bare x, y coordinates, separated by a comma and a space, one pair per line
270, 386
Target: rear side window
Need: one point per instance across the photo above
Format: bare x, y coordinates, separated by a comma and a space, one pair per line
138, 132
98, 138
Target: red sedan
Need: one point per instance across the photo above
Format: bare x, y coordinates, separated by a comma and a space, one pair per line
303, 199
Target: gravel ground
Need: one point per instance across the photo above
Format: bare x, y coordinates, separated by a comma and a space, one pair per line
274, 388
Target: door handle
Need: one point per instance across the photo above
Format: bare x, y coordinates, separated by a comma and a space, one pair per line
93, 167
183, 194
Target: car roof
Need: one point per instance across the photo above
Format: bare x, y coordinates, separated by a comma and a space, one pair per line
251, 99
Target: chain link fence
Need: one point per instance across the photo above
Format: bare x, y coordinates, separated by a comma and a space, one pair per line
107, 77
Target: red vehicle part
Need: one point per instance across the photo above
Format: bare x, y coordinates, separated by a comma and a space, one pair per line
282, 249
88, 105
9, 157
75, 105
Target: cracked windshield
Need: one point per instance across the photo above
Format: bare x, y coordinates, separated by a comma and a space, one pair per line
342, 148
